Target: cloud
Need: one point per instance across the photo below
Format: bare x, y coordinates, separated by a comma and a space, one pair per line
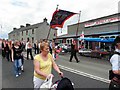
19, 3
19, 12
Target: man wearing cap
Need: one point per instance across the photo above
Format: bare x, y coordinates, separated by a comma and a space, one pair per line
115, 62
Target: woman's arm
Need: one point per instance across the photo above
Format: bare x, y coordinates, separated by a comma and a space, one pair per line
56, 68
37, 69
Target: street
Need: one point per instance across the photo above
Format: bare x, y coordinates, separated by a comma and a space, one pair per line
88, 73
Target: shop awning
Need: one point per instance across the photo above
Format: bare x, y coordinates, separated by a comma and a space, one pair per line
105, 40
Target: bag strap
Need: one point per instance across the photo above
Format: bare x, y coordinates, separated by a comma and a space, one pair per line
116, 53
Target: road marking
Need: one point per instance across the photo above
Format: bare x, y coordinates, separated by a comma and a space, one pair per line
84, 74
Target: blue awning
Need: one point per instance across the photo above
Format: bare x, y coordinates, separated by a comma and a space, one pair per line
98, 39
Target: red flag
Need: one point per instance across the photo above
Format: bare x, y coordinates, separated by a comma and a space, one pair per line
82, 34
59, 17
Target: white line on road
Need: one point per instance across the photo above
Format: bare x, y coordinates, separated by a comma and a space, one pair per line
84, 74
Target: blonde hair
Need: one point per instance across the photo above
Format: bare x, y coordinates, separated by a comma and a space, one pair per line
16, 43
42, 45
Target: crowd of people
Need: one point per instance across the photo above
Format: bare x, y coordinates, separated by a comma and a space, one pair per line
44, 60
12, 52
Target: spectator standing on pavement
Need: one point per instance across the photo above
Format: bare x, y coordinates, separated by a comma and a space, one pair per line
36, 47
3, 48
73, 52
29, 49
115, 62
39, 45
7, 49
16, 58
43, 64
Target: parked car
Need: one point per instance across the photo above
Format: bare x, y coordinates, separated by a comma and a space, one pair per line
65, 47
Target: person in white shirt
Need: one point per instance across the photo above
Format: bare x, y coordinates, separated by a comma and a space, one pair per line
115, 62
29, 49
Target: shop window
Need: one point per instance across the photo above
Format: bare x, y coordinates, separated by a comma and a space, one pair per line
68, 41
112, 37
106, 37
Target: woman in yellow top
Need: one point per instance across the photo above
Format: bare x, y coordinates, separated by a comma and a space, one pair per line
43, 64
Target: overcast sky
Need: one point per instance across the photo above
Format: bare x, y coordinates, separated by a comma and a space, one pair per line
14, 13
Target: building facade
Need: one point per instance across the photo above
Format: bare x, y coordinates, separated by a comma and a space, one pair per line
103, 27
33, 32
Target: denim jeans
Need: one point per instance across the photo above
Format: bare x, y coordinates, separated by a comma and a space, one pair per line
17, 65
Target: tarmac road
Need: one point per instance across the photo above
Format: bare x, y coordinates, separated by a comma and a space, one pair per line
25, 80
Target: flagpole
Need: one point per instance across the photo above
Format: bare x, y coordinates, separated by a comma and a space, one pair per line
50, 27
78, 24
56, 40
77, 43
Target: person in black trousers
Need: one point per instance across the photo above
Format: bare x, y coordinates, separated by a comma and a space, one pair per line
7, 49
29, 50
73, 52
36, 47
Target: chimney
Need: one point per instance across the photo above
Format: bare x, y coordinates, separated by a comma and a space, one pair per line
21, 26
27, 24
14, 29
45, 20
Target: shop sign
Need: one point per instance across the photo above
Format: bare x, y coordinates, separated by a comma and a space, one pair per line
99, 22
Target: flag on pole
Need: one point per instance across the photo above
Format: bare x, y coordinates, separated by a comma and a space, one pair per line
82, 40
59, 17
82, 34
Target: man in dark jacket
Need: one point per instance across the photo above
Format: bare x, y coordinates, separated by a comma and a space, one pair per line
73, 52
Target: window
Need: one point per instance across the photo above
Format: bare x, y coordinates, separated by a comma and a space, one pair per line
26, 32
32, 39
22, 39
22, 33
68, 41
32, 31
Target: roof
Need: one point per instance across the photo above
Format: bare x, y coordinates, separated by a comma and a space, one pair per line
27, 27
